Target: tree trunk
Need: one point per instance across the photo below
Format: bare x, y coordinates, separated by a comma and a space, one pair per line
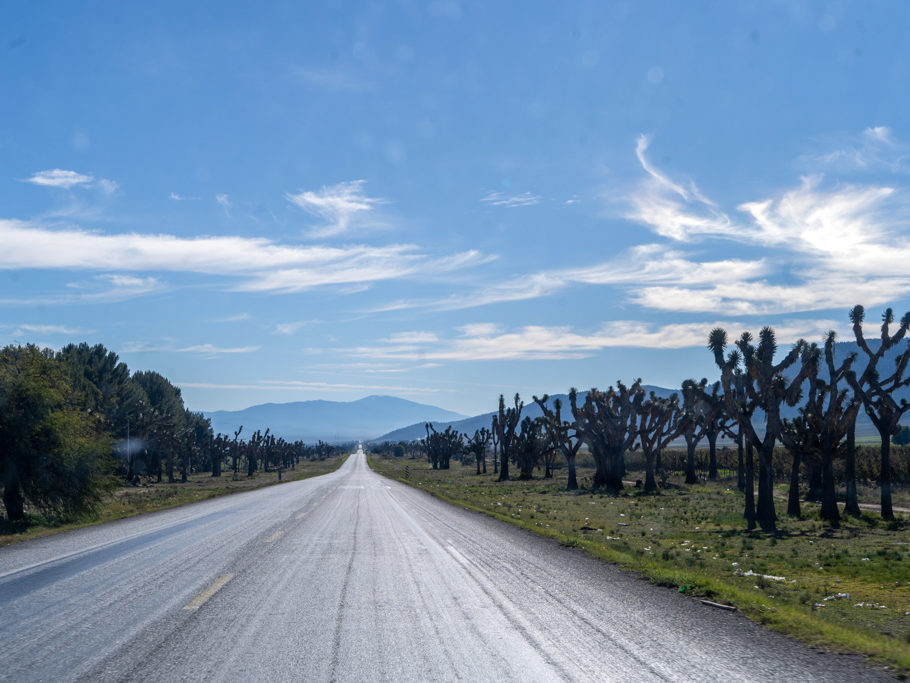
852, 507
793, 509
740, 464
658, 465
815, 477
14, 502
749, 486
712, 456
829, 493
503, 465
650, 483
608, 474
216, 463
887, 512
572, 483
765, 514
691, 477
477, 458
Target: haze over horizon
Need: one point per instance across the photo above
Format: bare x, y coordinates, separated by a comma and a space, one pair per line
446, 201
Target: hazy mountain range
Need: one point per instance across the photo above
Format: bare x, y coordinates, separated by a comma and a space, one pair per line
387, 418
330, 421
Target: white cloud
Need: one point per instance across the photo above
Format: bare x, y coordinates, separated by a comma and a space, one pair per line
67, 179
878, 134
875, 149
486, 341
648, 263
180, 198
30, 330
262, 265
108, 187
292, 327
59, 178
209, 350
292, 385
341, 206
233, 318
501, 199
672, 210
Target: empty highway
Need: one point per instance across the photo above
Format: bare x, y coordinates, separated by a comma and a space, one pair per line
352, 577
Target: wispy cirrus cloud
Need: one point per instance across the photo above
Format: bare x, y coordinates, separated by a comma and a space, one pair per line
28, 330
294, 385
60, 178
501, 199
818, 246
180, 198
491, 341
290, 328
209, 350
251, 264
876, 148
342, 206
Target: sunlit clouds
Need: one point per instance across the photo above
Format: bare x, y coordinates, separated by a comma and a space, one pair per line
492, 341
341, 207
252, 264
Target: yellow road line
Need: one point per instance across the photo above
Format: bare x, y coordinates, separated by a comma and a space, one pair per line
205, 595
300, 515
274, 537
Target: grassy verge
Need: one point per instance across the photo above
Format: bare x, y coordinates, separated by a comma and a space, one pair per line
845, 589
136, 500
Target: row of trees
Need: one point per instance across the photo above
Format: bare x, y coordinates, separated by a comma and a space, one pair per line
744, 405
75, 422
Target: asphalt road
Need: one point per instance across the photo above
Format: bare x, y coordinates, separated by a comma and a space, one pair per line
352, 577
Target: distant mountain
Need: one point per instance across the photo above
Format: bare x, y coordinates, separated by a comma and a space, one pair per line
331, 421
864, 426
472, 424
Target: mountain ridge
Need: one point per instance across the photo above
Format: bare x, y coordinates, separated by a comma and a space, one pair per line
330, 421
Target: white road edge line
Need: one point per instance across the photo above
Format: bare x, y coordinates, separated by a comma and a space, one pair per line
205, 595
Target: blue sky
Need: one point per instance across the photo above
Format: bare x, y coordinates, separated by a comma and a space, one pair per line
443, 200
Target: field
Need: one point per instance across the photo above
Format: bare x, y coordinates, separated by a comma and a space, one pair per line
149, 497
845, 589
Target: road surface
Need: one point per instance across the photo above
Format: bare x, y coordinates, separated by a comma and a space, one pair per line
352, 577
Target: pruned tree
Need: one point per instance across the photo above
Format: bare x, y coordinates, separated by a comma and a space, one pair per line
607, 422
441, 447
762, 385
563, 435
529, 446
477, 445
658, 420
504, 425
877, 392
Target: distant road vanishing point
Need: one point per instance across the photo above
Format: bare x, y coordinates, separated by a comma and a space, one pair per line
352, 577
